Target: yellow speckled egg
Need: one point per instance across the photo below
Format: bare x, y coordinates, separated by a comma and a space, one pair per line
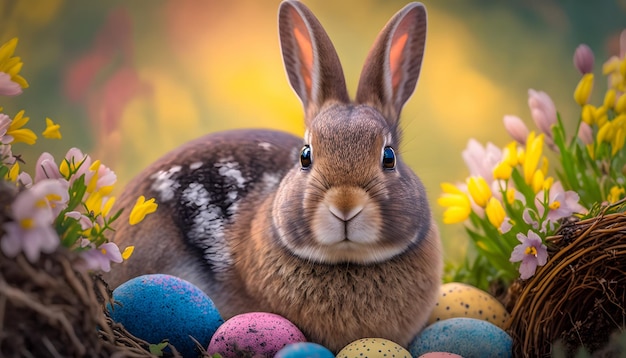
462, 300
373, 348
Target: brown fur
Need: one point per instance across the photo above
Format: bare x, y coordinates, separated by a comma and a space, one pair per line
345, 248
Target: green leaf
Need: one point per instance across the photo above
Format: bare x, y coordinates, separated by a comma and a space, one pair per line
4, 170
157, 349
522, 187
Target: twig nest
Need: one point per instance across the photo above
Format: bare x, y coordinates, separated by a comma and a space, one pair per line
49, 309
578, 298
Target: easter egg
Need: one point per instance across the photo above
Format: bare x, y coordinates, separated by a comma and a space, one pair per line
254, 333
467, 337
304, 349
462, 300
157, 307
373, 347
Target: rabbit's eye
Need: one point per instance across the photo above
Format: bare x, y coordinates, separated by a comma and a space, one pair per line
305, 157
389, 158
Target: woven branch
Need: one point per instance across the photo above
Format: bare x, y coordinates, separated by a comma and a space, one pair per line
579, 297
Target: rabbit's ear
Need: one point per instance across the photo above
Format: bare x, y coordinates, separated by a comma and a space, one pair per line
310, 59
393, 65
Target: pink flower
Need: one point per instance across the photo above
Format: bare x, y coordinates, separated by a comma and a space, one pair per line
531, 252
33, 210
77, 163
5, 122
7, 86
561, 203
25, 179
530, 217
54, 193
583, 59
100, 258
83, 220
6, 154
481, 160
585, 133
516, 128
106, 176
543, 111
46, 168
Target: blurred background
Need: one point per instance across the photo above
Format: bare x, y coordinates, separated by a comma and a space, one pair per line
129, 81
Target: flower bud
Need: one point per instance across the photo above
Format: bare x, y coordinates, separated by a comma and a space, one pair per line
583, 89
610, 98
620, 105
479, 190
585, 134
542, 110
516, 128
583, 59
587, 114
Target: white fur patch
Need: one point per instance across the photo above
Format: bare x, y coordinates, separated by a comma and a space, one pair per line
266, 145
269, 181
195, 165
207, 230
164, 184
230, 169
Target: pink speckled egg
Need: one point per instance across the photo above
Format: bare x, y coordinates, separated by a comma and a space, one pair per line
255, 333
440, 355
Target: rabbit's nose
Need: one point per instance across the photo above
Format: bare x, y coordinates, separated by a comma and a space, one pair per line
345, 214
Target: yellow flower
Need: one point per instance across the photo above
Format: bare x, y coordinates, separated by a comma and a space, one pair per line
605, 133
479, 190
537, 181
11, 65
141, 209
495, 212
510, 154
583, 89
615, 193
502, 171
93, 181
456, 202
545, 164
20, 134
106, 208
618, 141
94, 203
534, 148
609, 98
128, 251
52, 130
13, 172
600, 115
510, 196
588, 114
620, 105
614, 69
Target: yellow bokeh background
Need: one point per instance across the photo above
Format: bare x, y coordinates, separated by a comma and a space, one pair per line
156, 74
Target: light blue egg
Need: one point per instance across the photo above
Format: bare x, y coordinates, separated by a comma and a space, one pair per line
304, 349
158, 307
467, 337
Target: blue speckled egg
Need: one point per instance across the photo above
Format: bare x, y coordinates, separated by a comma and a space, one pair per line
254, 334
467, 337
304, 349
158, 307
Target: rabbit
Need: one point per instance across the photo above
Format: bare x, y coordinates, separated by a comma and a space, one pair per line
332, 231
